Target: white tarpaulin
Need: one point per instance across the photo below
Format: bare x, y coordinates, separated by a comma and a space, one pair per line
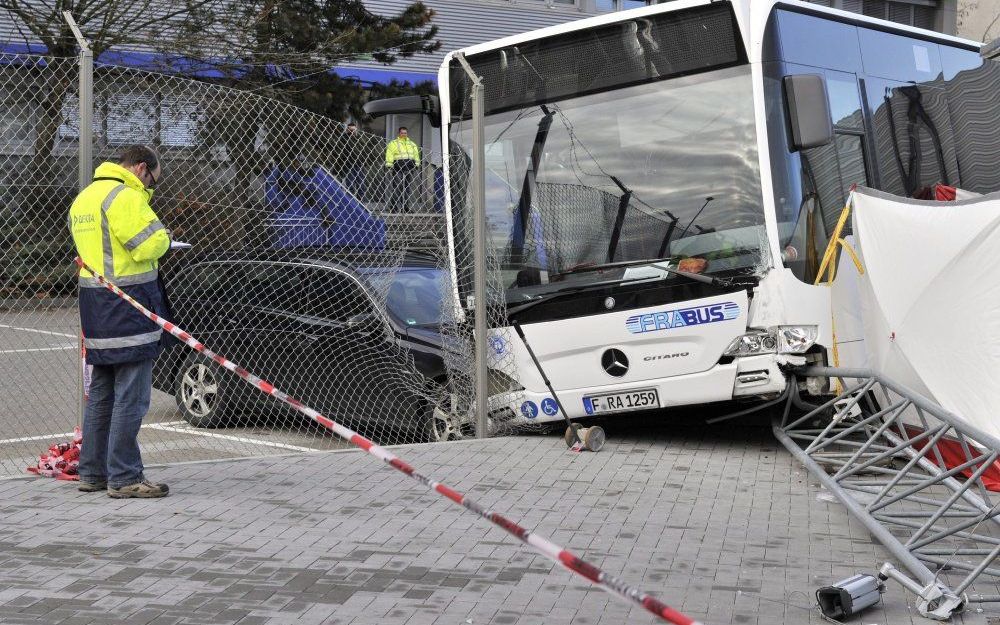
930, 298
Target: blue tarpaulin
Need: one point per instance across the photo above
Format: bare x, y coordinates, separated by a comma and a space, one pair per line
314, 209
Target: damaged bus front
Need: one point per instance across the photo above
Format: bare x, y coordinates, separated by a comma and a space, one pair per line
626, 219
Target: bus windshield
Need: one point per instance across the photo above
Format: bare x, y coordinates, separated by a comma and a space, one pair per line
653, 158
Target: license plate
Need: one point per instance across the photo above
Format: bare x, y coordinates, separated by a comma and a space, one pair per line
622, 402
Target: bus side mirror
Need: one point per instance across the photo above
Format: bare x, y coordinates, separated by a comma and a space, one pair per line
808, 111
429, 105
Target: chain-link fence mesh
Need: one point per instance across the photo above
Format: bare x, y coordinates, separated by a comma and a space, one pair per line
344, 281
39, 325
312, 263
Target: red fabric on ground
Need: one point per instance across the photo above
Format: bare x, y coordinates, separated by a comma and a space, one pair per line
953, 456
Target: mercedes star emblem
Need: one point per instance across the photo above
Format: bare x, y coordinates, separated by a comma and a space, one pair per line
609, 303
615, 362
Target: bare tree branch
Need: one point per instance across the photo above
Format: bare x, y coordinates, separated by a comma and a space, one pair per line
986, 33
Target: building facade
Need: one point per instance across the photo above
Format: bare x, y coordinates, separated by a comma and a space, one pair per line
463, 23
979, 19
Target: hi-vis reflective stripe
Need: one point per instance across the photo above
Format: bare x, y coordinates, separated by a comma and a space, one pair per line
109, 258
139, 278
123, 341
143, 234
557, 554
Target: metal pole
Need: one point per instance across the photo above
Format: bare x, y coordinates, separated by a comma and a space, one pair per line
85, 157
479, 246
86, 100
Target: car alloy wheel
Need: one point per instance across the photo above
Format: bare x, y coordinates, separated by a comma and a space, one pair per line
444, 426
199, 390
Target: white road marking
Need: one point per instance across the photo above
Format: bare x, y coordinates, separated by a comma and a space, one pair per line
42, 437
72, 336
39, 349
238, 439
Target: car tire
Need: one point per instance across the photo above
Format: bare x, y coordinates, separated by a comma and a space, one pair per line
441, 423
202, 392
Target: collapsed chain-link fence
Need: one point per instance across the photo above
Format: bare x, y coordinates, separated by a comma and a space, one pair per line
343, 280
311, 263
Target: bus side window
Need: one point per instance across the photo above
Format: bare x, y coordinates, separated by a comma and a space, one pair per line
830, 171
827, 174
975, 111
906, 115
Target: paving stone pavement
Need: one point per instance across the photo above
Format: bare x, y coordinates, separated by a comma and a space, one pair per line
720, 523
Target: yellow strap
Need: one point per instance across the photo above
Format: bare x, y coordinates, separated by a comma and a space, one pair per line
854, 256
828, 266
831, 248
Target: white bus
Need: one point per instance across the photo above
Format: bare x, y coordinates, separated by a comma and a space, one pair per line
719, 138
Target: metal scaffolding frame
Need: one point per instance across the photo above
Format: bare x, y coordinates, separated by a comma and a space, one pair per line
912, 473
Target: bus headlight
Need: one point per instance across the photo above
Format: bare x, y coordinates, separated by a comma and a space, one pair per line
752, 344
774, 340
796, 339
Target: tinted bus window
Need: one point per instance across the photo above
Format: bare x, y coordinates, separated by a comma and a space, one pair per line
974, 105
815, 41
898, 57
913, 137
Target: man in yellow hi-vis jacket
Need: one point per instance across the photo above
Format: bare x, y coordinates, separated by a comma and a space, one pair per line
402, 157
117, 233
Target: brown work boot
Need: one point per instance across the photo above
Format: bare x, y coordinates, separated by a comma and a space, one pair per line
91, 487
144, 489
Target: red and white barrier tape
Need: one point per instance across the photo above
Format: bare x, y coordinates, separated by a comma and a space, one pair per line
62, 460
542, 545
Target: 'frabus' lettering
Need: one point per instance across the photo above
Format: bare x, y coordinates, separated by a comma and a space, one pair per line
668, 319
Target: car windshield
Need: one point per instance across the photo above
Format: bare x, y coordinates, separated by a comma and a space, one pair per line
413, 294
667, 167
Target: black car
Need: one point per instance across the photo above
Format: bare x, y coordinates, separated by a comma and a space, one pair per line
357, 339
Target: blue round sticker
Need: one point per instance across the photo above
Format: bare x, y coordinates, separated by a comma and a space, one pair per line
529, 409
549, 406
498, 344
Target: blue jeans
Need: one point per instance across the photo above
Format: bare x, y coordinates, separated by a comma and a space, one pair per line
119, 399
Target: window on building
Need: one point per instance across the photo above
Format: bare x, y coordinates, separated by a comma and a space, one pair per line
916, 14
141, 117
129, 118
179, 121
606, 6
17, 119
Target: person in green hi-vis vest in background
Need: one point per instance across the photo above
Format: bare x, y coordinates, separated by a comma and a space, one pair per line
402, 157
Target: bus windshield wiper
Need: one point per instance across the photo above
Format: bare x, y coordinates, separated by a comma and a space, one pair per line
551, 295
656, 262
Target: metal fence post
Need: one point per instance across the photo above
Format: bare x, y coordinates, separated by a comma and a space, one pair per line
86, 103
85, 158
479, 246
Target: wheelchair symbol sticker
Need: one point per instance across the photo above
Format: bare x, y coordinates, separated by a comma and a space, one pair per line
529, 409
549, 406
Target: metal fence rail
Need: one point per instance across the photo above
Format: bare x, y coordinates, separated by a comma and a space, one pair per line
916, 475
